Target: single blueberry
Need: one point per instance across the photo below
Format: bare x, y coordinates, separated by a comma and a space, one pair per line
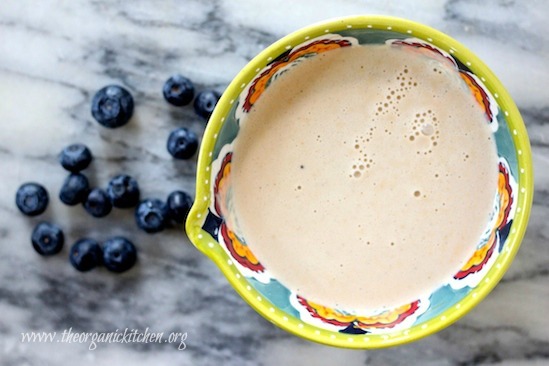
178, 90
182, 143
112, 106
75, 189
205, 102
47, 239
98, 203
85, 255
123, 191
151, 215
179, 204
119, 254
75, 157
32, 199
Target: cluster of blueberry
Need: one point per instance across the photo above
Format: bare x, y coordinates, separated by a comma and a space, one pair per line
112, 107
117, 254
179, 91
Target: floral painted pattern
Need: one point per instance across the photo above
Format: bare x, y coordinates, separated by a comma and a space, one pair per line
310, 48
221, 182
484, 257
353, 323
478, 92
425, 48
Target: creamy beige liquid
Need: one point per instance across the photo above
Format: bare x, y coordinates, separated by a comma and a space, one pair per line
364, 176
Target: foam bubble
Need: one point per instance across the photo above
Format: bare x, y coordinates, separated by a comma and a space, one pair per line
427, 129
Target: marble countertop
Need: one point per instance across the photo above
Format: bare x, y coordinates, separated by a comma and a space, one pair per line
54, 55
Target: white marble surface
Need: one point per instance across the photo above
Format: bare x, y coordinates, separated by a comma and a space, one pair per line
55, 54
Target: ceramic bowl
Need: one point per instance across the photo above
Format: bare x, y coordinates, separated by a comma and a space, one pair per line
212, 234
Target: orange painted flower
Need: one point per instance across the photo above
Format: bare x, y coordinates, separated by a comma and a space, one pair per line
478, 92
240, 251
505, 196
386, 319
221, 180
479, 258
482, 255
261, 82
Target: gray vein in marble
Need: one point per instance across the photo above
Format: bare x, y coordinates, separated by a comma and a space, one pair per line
481, 19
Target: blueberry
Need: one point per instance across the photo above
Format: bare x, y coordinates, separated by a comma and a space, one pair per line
32, 199
85, 254
182, 143
151, 215
123, 191
98, 203
119, 254
179, 203
75, 189
47, 239
205, 102
75, 157
178, 90
112, 106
